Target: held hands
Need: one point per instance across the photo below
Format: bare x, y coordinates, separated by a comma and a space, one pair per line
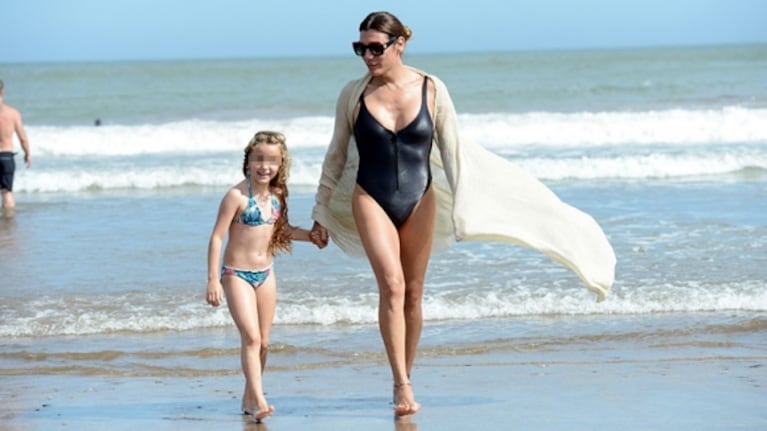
319, 235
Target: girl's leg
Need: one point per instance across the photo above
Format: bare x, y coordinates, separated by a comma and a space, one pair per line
243, 306
381, 242
266, 297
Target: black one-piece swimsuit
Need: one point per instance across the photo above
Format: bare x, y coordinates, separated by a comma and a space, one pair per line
394, 166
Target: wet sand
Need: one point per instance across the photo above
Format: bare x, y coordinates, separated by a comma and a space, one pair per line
493, 391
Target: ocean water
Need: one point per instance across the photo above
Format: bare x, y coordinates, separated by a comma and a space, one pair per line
102, 267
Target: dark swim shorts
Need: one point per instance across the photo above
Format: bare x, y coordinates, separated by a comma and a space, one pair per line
7, 169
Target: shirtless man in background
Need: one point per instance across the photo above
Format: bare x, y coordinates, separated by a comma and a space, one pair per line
10, 123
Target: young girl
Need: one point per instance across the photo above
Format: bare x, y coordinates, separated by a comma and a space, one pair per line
255, 215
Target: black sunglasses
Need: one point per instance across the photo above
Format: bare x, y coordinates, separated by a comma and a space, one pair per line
375, 48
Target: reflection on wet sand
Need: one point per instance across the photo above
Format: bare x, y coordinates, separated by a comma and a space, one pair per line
405, 423
252, 424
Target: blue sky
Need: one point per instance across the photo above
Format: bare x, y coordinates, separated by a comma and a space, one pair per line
85, 30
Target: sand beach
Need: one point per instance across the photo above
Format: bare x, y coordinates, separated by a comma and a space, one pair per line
671, 382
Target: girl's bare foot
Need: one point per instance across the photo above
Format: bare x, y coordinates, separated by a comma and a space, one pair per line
404, 404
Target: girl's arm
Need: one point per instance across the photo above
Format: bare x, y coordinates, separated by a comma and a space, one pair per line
226, 212
299, 234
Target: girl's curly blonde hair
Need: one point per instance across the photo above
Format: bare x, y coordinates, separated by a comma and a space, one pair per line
279, 186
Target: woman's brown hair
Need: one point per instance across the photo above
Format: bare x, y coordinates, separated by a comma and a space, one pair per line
387, 23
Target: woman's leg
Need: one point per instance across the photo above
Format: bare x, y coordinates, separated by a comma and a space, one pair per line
415, 240
243, 305
382, 245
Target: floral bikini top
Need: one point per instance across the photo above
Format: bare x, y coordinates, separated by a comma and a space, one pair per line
252, 215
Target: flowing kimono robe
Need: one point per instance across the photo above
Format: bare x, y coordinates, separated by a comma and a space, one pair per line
480, 196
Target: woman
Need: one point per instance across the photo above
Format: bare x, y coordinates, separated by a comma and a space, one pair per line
403, 207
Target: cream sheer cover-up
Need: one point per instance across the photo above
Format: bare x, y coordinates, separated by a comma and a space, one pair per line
480, 197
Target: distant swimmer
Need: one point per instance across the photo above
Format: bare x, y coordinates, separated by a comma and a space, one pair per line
10, 123
97, 122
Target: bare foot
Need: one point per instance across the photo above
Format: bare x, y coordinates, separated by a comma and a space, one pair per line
259, 412
404, 404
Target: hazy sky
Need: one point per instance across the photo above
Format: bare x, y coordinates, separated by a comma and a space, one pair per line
75, 30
